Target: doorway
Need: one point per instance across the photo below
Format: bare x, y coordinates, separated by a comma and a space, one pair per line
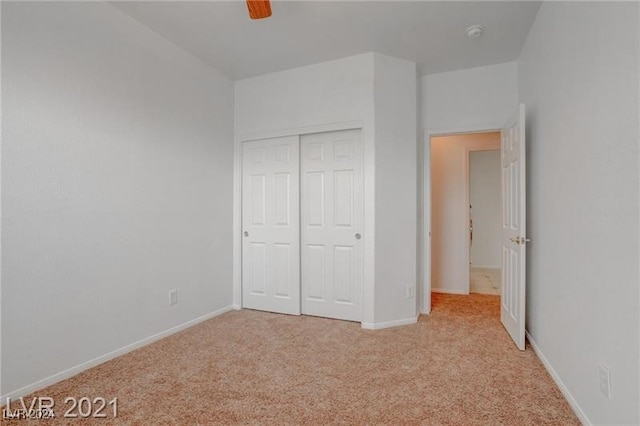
513, 180
484, 222
451, 215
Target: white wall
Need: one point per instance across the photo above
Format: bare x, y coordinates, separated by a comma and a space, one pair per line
477, 98
485, 197
117, 159
449, 208
396, 169
330, 92
579, 80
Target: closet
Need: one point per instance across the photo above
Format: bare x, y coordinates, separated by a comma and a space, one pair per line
302, 218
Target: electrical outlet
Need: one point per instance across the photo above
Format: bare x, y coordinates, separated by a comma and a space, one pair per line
410, 292
605, 381
173, 297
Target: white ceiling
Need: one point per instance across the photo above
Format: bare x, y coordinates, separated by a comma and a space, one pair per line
299, 33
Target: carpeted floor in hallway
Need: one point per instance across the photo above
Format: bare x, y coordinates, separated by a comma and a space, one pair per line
456, 366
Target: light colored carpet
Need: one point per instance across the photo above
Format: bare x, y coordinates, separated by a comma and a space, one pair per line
456, 366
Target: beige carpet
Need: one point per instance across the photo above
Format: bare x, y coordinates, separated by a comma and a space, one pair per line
456, 366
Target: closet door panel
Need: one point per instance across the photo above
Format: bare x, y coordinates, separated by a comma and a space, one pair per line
331, 224
270, 225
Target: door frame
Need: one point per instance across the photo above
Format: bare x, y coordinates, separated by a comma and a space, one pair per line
425, 202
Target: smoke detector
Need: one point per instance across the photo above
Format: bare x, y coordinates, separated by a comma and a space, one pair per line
474, 31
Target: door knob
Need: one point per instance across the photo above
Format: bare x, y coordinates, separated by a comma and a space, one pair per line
358, 236
246, 233
519, 240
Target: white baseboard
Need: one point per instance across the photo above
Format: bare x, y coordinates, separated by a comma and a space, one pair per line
570, 399
449, 291
70, 372
388, 324
236, 307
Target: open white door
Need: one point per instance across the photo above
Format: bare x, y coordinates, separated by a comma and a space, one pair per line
271, 225
512, 302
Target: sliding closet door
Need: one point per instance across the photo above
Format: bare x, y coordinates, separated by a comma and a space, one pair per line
332, 219
271, 225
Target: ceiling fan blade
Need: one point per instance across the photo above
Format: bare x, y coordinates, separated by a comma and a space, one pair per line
259, 9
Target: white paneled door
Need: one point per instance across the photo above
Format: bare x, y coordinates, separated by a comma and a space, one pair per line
271, 225
331, 224
512, 311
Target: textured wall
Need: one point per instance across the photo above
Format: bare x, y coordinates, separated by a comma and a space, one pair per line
578, 77
117, 158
